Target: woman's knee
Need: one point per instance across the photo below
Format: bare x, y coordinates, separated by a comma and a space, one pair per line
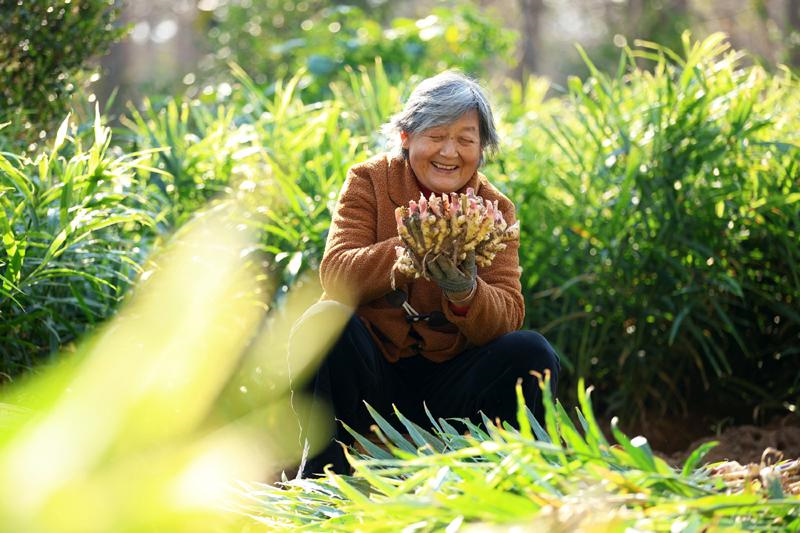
529, 351
318, 329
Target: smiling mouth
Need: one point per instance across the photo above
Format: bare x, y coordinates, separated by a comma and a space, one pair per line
443, 167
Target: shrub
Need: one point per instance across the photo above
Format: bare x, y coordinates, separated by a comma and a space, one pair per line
78, 223
661, 215
283, 159
196, 152
345, 36
44, 54
71, 229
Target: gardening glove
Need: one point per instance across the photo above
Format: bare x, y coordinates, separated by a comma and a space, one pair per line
450, 278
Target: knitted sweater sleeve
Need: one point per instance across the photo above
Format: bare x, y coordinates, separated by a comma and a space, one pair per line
497, 307
355, 269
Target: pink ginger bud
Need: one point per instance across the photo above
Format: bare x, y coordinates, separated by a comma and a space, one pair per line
454, 208
490, 210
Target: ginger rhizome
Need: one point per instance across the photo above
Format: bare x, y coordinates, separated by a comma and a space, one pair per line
453, 225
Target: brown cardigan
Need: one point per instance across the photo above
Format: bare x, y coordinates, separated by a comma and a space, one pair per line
360, 252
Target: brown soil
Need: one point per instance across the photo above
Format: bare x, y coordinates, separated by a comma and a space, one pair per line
675, 439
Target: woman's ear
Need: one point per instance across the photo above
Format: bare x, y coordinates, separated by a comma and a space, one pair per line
404, 140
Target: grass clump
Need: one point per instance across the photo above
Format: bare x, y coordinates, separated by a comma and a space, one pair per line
80, 219
660, 216
560, 476
71, 222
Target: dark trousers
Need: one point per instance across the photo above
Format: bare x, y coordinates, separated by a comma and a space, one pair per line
480, 379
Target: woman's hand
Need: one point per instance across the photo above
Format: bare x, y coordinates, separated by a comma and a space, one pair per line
457, 284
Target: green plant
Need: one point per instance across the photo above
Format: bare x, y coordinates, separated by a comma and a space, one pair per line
78, 223
72, 227
335, 38
659, 213
45, 49
124, 431
558, 476
200, 152
306, 150
369, 98
259, 35
282, 159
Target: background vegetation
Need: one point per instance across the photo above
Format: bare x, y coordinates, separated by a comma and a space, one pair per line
658, 202
660, 208
668, 197
46, 51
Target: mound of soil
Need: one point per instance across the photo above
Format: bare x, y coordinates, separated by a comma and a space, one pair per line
746, 443
675, 439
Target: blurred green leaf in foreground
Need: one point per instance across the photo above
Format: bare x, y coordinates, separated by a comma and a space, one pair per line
126, 433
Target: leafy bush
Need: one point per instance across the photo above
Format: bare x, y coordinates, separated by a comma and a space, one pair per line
71, 226
282, 159
44, 54
78, 223
661, 215
256, 34
335, 38
659, 211
196, 150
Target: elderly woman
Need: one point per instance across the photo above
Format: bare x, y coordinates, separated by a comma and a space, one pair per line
463, 353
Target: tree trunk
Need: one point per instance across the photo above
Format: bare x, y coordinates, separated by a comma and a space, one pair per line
633, 20
531, 11
793, 32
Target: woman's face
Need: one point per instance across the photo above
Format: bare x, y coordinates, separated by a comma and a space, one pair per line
444, 158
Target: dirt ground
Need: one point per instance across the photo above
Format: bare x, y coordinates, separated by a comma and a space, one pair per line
675, 439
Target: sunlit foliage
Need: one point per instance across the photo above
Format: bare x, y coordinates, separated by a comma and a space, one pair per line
45, 48
660, 215
131, 432
558, 476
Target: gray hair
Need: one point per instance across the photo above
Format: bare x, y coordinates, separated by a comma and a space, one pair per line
441, 100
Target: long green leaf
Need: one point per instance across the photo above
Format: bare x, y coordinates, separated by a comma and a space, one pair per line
394, 435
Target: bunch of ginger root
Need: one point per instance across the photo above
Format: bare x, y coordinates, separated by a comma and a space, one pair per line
453, 225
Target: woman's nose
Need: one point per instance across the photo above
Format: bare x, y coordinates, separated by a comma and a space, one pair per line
448, 148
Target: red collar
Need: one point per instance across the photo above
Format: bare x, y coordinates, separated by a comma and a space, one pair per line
426, 192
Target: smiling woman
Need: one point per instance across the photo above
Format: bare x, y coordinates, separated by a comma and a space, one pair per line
448, 339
